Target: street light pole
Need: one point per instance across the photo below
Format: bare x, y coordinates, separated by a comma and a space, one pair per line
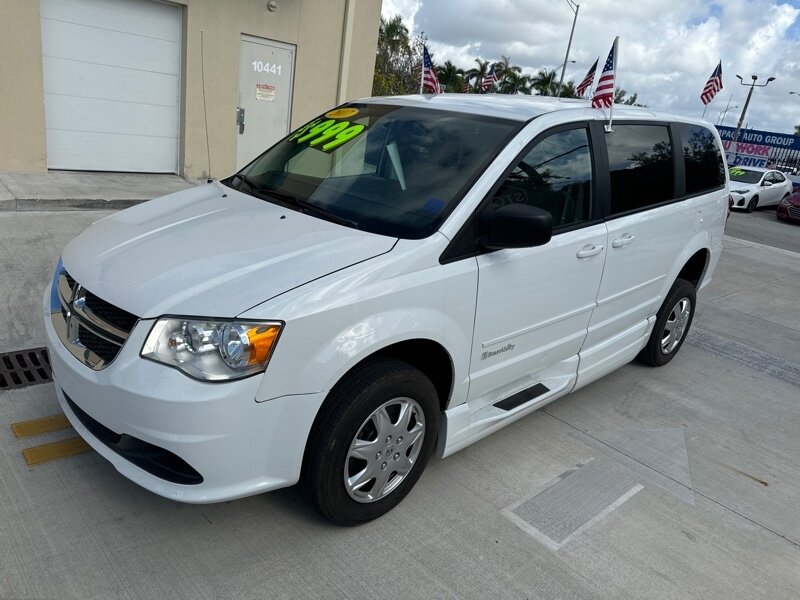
574, 8
724, 113
555, 71
752, 86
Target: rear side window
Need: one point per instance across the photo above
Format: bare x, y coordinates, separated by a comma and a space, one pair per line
702, 159
640, 161
556, 175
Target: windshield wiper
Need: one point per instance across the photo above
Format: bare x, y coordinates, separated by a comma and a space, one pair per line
250, 183
300, 204
306, 207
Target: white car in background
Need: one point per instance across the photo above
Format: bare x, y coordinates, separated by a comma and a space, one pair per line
754, 187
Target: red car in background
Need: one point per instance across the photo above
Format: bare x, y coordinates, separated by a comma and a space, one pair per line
789, 208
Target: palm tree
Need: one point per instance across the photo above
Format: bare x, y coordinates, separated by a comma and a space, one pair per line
568, 90
515, 82
478, 73
393, 35
450, 76
543, 81
508, 75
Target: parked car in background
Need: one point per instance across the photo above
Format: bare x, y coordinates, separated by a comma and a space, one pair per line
789, 209
754, 187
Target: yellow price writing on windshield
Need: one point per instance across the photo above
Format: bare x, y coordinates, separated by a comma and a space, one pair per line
330, 133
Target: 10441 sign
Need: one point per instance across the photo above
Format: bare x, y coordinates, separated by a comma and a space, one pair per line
265, 67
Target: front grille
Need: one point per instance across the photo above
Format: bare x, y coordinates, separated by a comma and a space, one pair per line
110, 313
92, 329
103, 348
153, 459
794, 211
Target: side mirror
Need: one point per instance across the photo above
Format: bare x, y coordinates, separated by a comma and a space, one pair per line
766, 184
516, 226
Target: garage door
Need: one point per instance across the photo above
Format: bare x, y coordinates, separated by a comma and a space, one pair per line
111, 84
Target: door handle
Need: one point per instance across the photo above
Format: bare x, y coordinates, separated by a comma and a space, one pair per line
623, 241
588, 251
240, 119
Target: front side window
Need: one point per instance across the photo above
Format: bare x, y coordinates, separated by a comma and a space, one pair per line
778, 177
555, 175
391, 170
702, 159
640, 160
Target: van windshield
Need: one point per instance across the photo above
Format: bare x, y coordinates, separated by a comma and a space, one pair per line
392, 170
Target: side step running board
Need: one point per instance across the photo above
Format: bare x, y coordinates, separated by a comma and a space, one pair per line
522, 397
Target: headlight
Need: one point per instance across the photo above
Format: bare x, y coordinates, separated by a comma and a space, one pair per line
210, 349
742, 192
784, 202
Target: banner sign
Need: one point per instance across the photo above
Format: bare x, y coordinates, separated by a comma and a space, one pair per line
757, 148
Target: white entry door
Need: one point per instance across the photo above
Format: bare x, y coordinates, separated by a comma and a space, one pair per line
112, 75
266, 76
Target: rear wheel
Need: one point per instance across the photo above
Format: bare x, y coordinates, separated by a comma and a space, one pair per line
672, 324
753, 204
371, 442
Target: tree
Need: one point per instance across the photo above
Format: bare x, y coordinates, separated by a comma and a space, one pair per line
568, 90
619, 98
516, 83
511, 78
478, 74
797, 129
397, 60
451, 77
544, 81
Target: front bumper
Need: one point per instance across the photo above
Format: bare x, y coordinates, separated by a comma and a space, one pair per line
238, 446
739, 201
789, 213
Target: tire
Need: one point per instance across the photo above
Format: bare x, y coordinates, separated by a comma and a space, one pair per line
672, 324
379, 407
753, 204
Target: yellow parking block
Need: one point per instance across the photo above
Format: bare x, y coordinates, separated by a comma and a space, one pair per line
55, 450
39, 426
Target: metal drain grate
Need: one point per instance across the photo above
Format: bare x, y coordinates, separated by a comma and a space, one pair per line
24, 368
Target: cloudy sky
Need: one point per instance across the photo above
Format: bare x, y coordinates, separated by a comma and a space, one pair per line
668, 48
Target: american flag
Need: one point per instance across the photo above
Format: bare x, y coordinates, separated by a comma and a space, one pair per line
587, 81
604, 92
466, 87
429, 80
489, 80
713, 85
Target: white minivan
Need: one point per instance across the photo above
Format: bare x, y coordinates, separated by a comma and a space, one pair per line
398, 277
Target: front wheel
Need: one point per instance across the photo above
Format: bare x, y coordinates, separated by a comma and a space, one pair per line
753, 204
371, 442
672, 324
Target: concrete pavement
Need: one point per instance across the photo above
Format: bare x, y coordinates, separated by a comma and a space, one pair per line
81, 190
679, 482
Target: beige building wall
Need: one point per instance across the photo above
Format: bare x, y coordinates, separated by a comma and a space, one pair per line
22, 136
318, 28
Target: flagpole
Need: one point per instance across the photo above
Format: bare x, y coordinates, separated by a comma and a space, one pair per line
704, 112
616, 78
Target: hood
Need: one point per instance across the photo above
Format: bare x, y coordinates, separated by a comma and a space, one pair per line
197, 253
738, 187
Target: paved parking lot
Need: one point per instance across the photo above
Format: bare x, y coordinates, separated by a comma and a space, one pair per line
762, 226
682, 481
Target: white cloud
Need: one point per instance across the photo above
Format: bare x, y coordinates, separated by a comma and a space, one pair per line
668, 49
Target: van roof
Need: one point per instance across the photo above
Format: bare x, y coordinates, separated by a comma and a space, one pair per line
520, 107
